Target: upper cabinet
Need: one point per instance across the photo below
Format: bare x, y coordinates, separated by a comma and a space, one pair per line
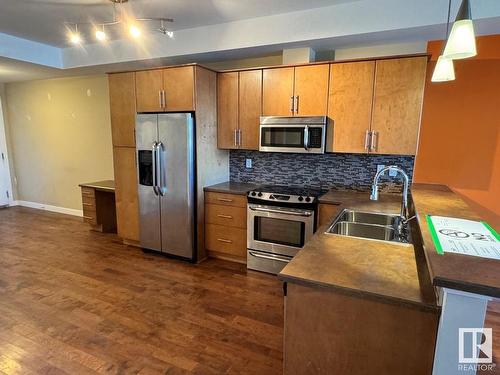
169, 89
278, 96
122, 108
311, 90
239, 107
397, 105
375, 106
296, 91
350, 105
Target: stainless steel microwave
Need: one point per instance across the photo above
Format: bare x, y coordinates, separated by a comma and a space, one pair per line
293, 134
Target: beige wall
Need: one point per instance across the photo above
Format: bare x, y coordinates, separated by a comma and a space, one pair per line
60, 136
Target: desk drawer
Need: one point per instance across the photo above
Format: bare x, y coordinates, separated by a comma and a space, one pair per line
89, 216
88, 192
88, 203
226, 215
226, 199
228, 240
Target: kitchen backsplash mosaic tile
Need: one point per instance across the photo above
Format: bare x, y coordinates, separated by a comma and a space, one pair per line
337, 171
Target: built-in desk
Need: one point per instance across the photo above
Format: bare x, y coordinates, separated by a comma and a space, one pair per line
98, 201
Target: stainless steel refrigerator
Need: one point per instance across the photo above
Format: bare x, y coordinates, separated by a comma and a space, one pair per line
166, 158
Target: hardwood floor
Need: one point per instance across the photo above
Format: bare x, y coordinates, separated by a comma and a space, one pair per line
74, 301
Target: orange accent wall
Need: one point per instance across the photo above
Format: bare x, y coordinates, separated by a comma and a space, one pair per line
459, 143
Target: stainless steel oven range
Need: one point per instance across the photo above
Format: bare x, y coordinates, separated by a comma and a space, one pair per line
281, 219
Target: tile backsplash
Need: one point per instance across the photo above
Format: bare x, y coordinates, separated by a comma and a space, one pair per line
337, 171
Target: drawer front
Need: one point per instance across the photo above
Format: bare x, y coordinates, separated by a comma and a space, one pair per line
228, 240
88, 192
88, 203
89, 216
226, 215
226, 199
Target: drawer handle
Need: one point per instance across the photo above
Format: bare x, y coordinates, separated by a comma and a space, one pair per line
88, 204
224, 240
225, 216
224, 200
88, 194
89, 217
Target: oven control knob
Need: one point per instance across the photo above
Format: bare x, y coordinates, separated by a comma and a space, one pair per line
259, 195
308, 199
300, 199
253, 193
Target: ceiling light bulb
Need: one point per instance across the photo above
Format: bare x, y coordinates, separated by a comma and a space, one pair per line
100, 35
444, 70
170, 34
75, 38
134, 31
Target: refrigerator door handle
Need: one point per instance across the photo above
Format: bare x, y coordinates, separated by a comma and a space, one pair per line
160, 184
155, 167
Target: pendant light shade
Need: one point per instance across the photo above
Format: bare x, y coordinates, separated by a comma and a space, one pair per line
461, 43
444, 70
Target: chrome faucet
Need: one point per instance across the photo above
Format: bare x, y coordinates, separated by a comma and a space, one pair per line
404, 202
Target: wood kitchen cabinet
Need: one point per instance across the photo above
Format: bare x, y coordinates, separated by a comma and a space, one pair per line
326, 213
239, 107
165, 90
296, 91
126, 196
397, 107
350, 105
335, 332
122, 108
375, 106
225, 226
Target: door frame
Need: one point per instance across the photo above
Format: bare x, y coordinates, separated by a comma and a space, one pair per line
3, 146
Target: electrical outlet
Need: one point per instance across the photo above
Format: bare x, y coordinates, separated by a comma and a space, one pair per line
380, 167
248, 163
393, 172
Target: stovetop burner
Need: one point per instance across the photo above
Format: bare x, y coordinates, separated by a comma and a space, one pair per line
286, 194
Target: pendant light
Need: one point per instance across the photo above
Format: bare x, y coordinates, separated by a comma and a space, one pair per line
461, 43
444, 70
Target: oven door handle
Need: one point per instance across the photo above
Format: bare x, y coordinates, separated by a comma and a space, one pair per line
270, 257
294, 213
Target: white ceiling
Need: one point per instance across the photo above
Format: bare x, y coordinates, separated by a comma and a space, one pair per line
43, 20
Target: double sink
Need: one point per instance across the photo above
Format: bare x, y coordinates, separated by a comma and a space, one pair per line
370, 225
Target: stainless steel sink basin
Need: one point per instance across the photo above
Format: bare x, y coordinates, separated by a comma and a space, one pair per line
375, 232
369, 225
368, 218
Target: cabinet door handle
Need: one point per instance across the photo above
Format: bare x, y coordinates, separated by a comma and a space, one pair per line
224, 200
236, 137
292, 104
374, 141
239, 137
367, 139
225, 216
160, 98
297, 104
164, 99
224, 240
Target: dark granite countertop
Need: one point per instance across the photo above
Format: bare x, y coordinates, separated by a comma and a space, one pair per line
468, 273
106, 185
389, 271
240, 188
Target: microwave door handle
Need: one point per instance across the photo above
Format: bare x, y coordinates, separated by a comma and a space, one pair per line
153, 164
283, 212
306, 137
270, 257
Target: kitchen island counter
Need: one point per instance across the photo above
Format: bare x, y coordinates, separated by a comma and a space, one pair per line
389, 271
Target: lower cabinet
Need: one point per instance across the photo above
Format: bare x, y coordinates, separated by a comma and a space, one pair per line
225, 226
326, 213
127, 200
333, 332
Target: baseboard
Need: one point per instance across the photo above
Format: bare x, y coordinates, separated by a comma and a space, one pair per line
48, 207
